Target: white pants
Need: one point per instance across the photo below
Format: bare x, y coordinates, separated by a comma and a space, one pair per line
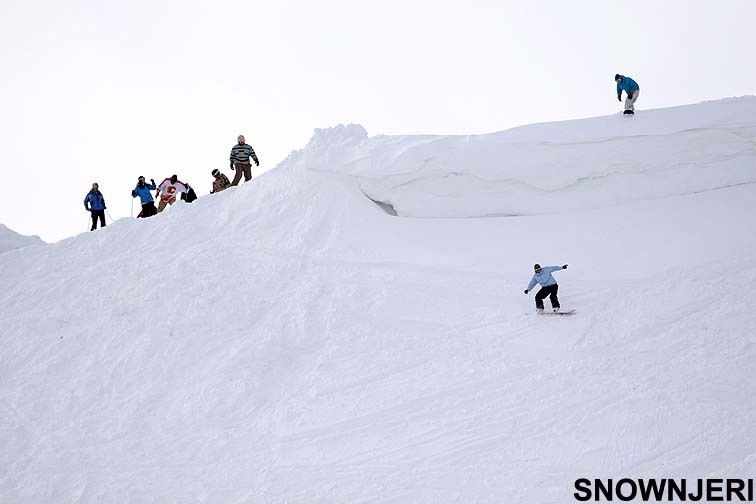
630, 102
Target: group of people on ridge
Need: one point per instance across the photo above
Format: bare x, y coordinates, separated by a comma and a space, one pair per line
240, 162
241, 158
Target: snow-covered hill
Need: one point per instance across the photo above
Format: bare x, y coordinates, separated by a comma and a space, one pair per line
10, 240
292, 341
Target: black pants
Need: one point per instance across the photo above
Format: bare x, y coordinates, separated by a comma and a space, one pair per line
148, 209
95, 215
550, 291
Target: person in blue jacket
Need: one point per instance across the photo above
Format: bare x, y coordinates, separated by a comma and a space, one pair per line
94, 202
630, 87
549, 285
143, 191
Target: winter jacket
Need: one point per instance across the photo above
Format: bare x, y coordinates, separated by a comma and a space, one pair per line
627, 85
94, 201
220, 183
241, 154
168, 189
144, 192
545, 278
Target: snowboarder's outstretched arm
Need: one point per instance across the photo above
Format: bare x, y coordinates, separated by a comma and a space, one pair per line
551, 269
532, 283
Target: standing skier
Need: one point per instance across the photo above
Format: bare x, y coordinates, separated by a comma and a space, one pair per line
240, 154
548, 283
94, 202
168, 189
630, 87
145, 195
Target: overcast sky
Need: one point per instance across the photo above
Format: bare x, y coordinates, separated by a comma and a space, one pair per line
106, 91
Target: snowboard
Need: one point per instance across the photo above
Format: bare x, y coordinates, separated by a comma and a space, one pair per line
567, 312
628, 112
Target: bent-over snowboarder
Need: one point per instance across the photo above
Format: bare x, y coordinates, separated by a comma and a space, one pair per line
220, 183
630, 87
549, 286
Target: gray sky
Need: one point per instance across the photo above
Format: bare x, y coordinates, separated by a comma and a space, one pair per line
107, 91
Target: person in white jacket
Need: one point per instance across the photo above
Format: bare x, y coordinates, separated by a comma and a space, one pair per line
168, 190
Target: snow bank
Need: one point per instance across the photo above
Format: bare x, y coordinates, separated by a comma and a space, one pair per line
10, 240
288, 341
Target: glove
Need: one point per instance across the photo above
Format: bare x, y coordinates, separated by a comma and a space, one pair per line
133, 194
153, 181
564, 267
619, 97
630, 95
526, 291
257, 163
232, 165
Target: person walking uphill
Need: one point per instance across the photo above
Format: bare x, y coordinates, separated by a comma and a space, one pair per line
168, 189
145, 195
240, 154
549, 286
630, 87
94, 202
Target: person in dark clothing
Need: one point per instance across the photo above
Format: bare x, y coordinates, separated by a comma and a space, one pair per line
145, 195
240, 155
94, 202
549, 285
189, 195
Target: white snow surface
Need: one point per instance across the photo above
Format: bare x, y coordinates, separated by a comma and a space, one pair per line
10, 240
289, 341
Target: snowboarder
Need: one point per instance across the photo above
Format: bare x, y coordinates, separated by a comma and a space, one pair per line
630, 87
143, 191
168, 189
94, 202
549, 286
220, 183
240, 154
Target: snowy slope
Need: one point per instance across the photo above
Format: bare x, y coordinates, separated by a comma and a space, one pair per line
290, 341
10, 240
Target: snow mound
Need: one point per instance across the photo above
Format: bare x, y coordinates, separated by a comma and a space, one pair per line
288, 341
548, 168
10, 240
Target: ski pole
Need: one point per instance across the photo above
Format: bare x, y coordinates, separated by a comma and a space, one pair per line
132, 207
112, 220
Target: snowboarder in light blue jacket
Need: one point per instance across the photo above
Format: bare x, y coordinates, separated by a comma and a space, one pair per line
630, 87
548, 283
